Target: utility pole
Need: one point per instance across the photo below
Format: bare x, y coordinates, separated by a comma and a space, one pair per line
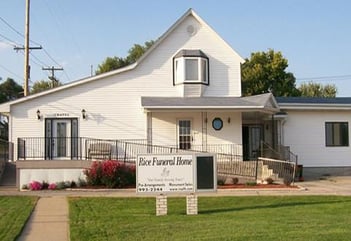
26, 49
52, 77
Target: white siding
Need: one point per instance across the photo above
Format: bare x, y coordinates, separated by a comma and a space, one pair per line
304, 132
113, 104
164, 128
230, 133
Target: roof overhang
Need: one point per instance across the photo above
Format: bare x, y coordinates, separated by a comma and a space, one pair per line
314, 103
310, 107
240, 104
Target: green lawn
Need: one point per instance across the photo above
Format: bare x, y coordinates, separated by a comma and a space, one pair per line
14, 212
220, 218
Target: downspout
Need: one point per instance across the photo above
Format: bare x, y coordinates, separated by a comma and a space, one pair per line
273, 133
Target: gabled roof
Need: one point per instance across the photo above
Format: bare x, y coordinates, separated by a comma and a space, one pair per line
251, 103
314, 103
5, 108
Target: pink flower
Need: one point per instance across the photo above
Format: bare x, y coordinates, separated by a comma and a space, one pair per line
52, 186
35, 186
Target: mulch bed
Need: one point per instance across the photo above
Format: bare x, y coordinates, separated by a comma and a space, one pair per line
258, 186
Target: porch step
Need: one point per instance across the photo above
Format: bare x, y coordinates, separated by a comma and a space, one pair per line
9, 175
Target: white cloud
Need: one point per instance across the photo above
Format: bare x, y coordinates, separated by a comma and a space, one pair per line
5, 46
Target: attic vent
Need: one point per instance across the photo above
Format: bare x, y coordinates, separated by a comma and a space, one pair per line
191, 30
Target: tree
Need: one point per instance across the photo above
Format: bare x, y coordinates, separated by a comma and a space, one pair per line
134, 53
42, 85
266, 72
111, 63
10, 90
312, 89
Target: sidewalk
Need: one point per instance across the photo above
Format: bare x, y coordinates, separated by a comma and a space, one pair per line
49, 221
50, 218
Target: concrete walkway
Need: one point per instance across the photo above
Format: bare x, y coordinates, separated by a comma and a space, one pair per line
50, 218
49, 221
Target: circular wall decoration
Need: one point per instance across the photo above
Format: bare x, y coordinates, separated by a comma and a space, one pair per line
191, 30
217, 123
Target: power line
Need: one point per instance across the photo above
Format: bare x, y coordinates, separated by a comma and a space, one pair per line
13, 43
326, 78
11, 72
9, 25
34, 42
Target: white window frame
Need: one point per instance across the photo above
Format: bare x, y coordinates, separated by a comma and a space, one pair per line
180, 71
190, 134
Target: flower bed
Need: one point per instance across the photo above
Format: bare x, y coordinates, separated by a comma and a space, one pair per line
101, 174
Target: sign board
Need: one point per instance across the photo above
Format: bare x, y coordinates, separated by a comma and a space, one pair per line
175, 173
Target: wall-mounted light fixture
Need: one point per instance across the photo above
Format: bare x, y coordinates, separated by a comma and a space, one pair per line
84, 114
228, 119
38, 114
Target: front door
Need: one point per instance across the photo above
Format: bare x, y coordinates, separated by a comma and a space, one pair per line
184, 134
252, 136
61, 138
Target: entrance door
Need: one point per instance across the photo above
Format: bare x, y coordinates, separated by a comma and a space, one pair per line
184, 134
252, 136
61, 136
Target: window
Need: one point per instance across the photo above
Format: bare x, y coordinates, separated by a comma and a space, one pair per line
191, 67
184, 134
337, 134
217, 124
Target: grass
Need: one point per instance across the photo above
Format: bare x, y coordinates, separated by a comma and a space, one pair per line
220, 218
14, 212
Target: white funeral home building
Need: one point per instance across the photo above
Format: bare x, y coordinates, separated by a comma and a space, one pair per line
183, 94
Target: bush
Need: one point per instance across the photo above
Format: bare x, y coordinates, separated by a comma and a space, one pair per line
269, 180
52, 186
235, 180
287, 181
220, 182
251, 184
111, 174
35, 186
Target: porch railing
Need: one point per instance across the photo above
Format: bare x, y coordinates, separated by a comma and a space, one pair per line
282, 161
229, 156
80, 148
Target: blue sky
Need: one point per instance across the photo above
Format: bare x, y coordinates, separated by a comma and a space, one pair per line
315, 36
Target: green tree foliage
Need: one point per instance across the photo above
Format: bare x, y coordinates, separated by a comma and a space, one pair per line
134, 53
266, 72
10, 90
42, 85
312, 89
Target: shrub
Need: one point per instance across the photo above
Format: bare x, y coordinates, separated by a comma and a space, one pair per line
60, 185
220, 182
52, 186
35, 186
235, 180
287, 181
110, 174
94, 174
44, 185
269, 180
81, 182
250, 183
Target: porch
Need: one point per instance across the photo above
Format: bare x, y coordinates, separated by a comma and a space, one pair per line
78, 153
